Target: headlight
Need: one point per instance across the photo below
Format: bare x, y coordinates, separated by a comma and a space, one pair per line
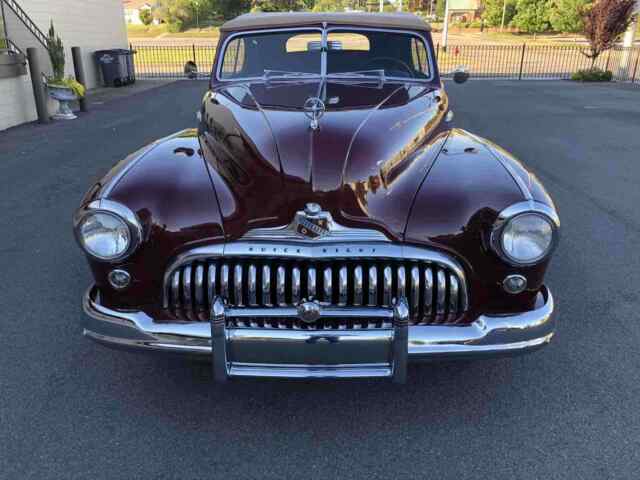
525, 237
104, 235
107, 230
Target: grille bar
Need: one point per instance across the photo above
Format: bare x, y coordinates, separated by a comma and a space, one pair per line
436, 294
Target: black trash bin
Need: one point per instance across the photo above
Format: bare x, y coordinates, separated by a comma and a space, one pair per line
113, 64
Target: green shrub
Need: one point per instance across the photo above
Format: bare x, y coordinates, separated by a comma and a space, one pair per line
592, 75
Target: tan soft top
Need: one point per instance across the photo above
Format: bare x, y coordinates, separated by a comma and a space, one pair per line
251, 21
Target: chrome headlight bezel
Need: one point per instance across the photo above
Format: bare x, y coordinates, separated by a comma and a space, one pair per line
114, 209
532, 207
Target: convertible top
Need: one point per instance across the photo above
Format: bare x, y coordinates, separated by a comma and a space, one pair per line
251, 21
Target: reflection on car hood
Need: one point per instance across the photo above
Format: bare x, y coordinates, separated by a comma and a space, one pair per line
364, 163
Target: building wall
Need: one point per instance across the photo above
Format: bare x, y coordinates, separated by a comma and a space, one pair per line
89, 24
16, 101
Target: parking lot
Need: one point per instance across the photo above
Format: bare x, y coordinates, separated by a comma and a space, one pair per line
72, 409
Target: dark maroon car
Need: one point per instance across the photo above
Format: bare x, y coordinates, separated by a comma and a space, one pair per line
324, 219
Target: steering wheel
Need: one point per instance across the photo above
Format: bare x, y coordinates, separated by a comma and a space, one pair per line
387, 60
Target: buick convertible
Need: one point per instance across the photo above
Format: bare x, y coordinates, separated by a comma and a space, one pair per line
325, 219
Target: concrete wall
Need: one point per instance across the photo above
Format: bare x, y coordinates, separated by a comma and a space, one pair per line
16, 101
89, 24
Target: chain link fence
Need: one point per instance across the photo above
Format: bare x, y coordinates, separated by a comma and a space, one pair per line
514, 62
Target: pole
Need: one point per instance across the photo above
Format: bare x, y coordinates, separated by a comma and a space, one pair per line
399, 5
38, 86
381, 6
445, 29
524, 46
78, 69
627, 43
504, 14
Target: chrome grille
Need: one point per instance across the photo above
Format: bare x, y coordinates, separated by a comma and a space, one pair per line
436, 293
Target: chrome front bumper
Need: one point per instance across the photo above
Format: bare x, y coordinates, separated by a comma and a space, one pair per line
383, 352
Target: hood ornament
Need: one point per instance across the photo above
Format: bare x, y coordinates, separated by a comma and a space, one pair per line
312, 222
314, 110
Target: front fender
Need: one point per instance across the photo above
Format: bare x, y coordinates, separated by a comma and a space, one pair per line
469, 184
167, 186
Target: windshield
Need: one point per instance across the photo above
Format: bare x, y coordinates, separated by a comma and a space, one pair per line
297, 54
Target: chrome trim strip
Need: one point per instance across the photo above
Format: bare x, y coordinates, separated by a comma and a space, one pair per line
415, 291
428, 291
373, 285
252, 285
280, 285
211, 282
342, 286
357, 287
237, 284
199, 285
175, 288
400, 340
266, 285
224, 281
219, 340
295, 284
453, 295
325, 312
186, 284
328, 284
311, 282
402, 282
387, 276
440, 294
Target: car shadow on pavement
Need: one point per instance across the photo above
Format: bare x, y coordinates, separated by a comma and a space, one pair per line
185, 388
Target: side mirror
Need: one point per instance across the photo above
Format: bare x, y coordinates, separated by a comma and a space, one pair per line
460, 75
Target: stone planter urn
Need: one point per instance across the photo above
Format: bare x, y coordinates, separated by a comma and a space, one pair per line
63, 95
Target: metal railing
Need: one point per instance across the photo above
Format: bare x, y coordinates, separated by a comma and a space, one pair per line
8, 45
535, 62
169, 61
26, 20
514, 62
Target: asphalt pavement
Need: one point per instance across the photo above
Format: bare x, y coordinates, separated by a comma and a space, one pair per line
72, 409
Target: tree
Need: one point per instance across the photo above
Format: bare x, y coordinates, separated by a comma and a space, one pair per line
175, 13
566, 15
329, 6
493, 10
229, 8
532, 16
146, 16
277, 5
604, 22
440, 8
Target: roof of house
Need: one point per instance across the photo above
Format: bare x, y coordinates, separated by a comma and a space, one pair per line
251, 21
136, 4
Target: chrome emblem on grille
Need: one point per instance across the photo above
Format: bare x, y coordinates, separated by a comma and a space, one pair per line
314, 110
309, 312
312, 222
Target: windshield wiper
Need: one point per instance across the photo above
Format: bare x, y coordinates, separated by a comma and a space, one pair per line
359, 74
285, 75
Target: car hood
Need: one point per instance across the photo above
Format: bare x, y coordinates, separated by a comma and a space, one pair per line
364, 164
